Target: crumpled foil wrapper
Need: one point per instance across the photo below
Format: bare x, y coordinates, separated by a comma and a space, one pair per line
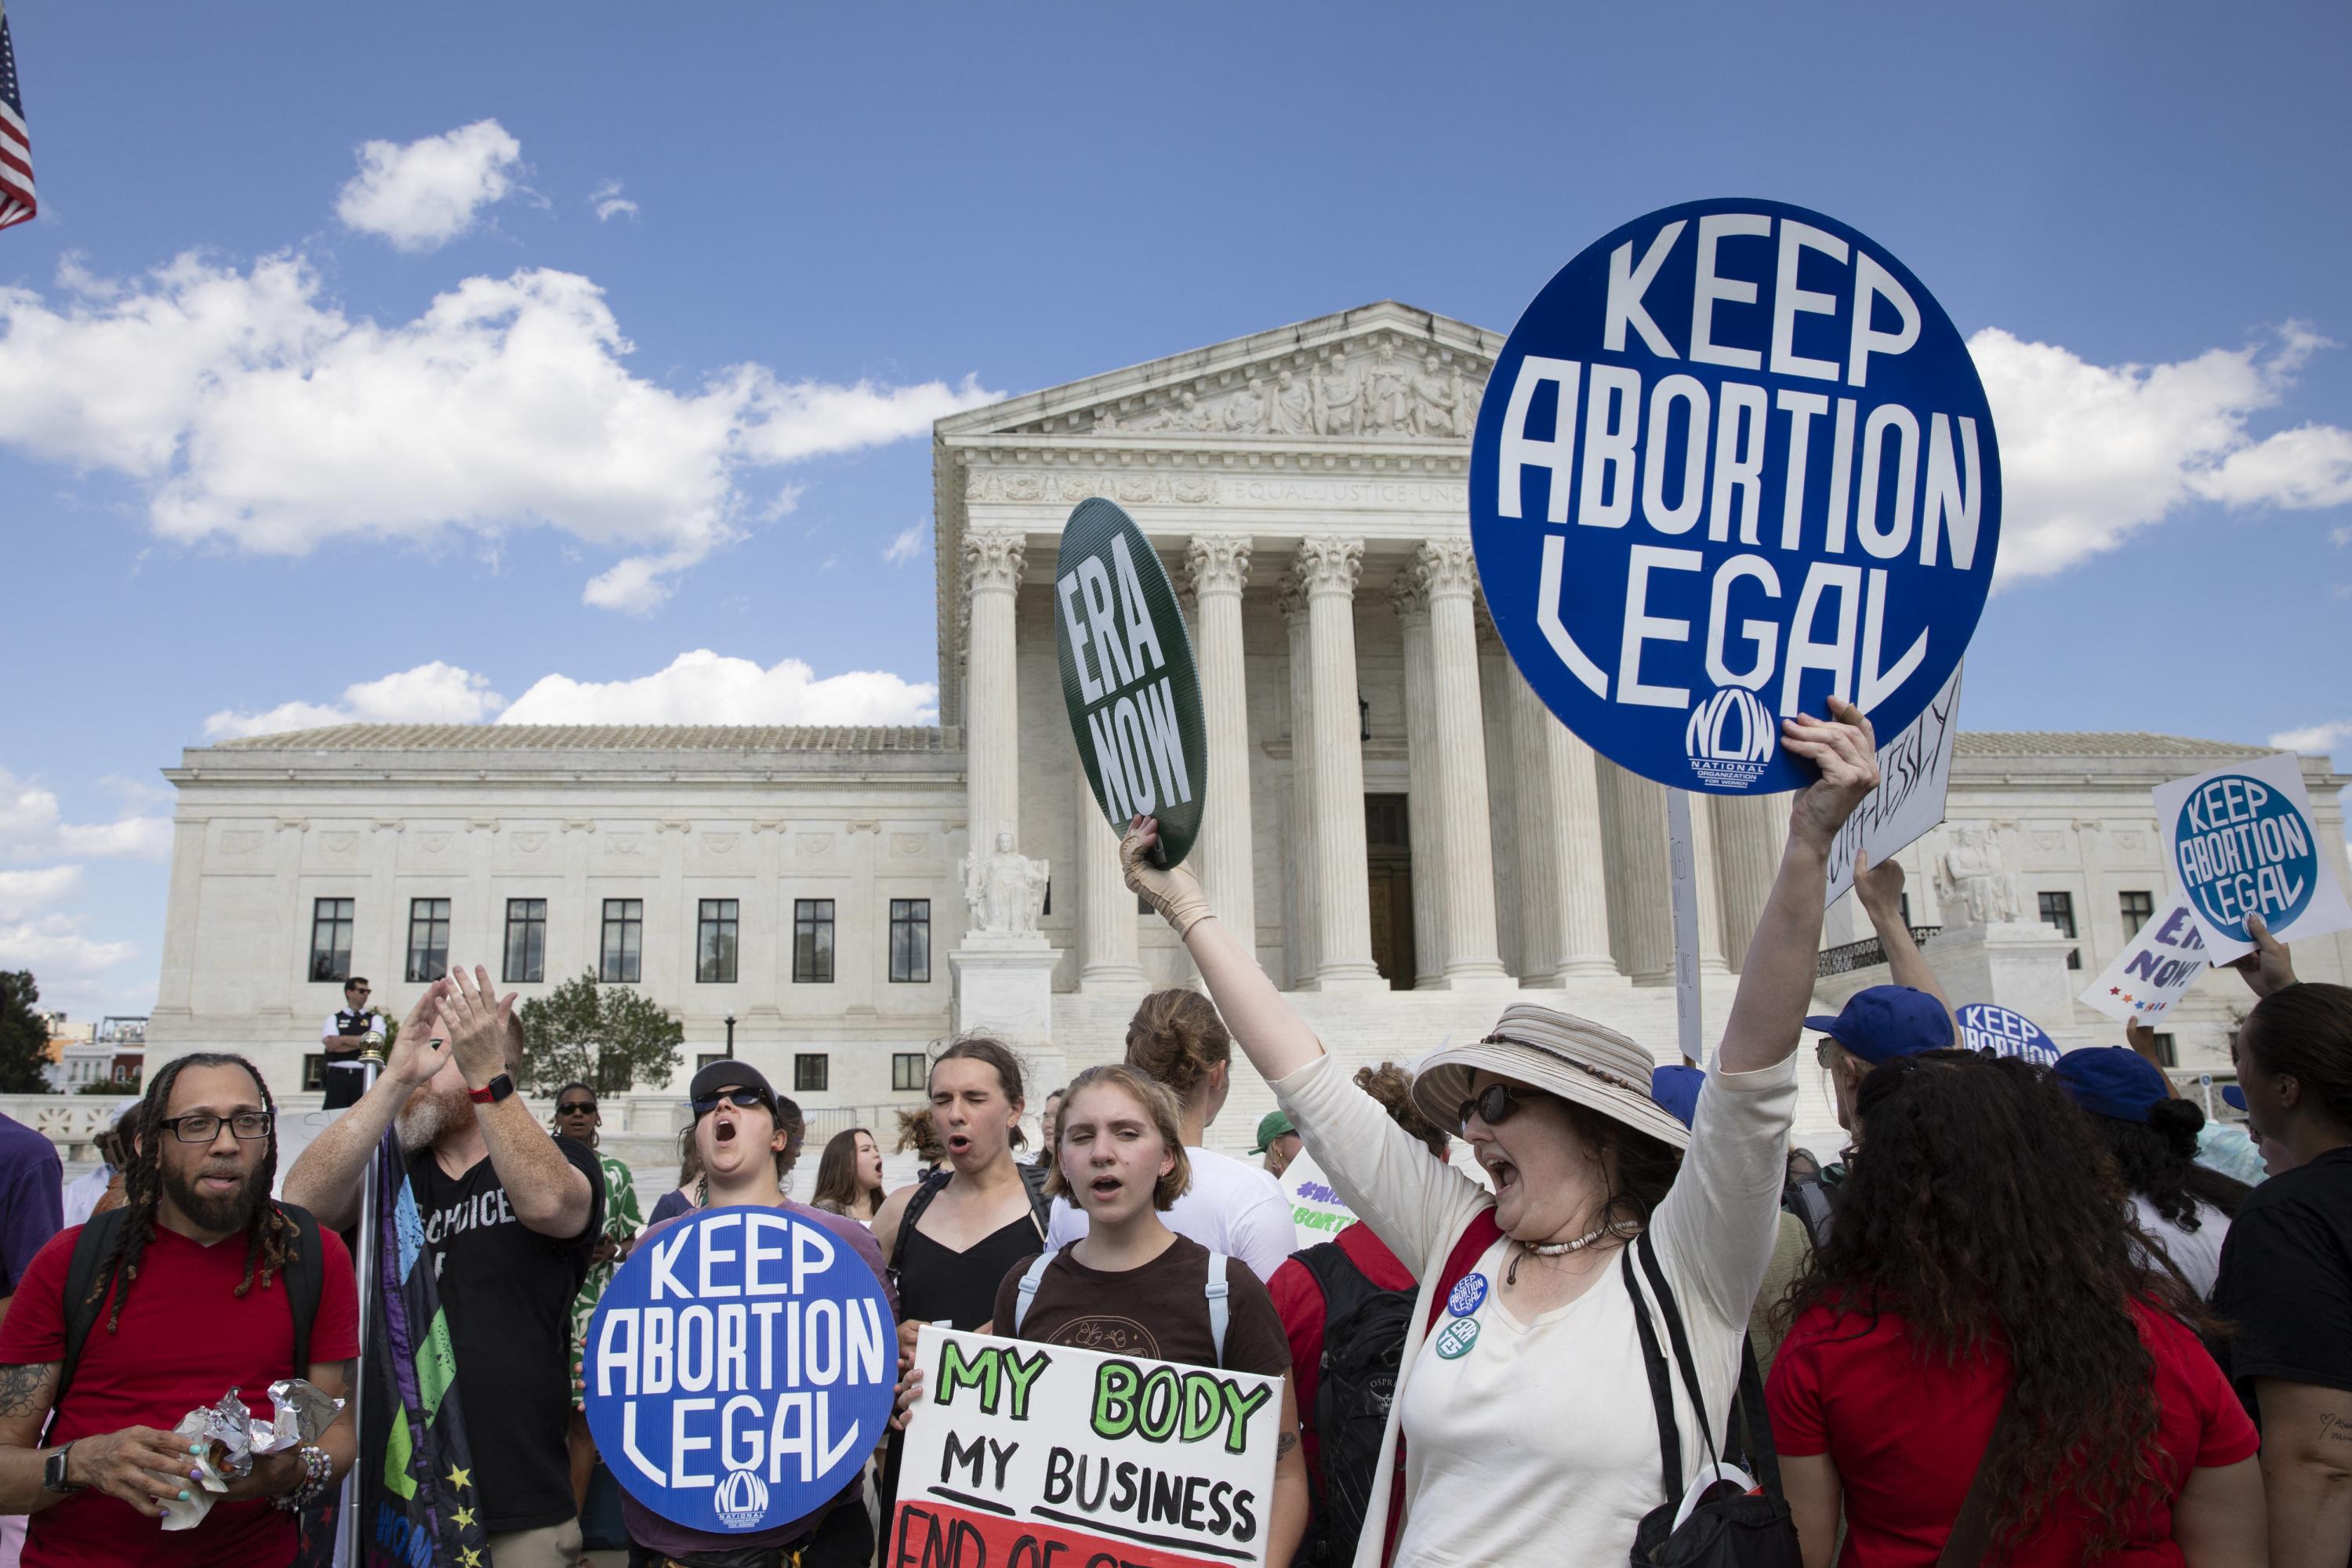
299, 1410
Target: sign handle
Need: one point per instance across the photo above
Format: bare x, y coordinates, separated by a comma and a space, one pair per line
1684, 877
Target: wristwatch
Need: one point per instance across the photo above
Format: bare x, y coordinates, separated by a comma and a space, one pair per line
53, 1472
490, 1093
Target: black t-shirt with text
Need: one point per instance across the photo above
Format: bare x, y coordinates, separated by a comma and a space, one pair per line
2286, 1278
508, 1293
1160, 1311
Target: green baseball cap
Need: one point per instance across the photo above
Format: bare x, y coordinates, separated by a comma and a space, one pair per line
1271, 1126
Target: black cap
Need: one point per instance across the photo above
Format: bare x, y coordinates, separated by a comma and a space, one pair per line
719, 1075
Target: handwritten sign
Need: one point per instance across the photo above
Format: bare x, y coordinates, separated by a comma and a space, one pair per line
1319, 1212
2155, 971
2241, 841
1985, 1027
1915, 775
740, 1369
1023, 1455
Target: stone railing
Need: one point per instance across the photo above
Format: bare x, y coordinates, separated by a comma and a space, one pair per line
1862, 954
71, 1122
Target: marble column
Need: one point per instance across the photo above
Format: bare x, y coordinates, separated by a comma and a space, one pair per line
1703, 869
992, 569
1750, 832
1409, 596
1640, 880
1220, 564
1563, 868
1465, 867
1107, 910
1329, 567
1300, 847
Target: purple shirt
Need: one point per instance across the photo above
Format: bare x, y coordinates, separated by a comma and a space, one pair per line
32, 1199
650, 1530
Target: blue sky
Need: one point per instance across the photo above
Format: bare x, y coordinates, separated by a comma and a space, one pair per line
321, 365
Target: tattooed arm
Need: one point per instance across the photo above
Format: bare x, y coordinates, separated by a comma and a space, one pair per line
2306, 1471
139, 1465
26, 1392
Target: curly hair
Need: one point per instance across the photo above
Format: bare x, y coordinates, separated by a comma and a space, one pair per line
270, 1235
916, 1132
1982, 1211
2157, 1161
1159, 1101
1391, 1085
1177, 1038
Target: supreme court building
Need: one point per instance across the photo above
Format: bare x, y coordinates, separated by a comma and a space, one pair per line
1411, 836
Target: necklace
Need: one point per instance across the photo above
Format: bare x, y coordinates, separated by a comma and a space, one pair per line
1551, 1250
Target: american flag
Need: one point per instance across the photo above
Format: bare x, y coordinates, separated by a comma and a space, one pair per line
16, 202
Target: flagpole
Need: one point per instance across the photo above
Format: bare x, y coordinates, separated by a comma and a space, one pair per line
354, 1536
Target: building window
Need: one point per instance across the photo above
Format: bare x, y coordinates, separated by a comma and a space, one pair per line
2058, 912
813, 941
709, 1059
1903, 905
2165, 1054
911, 940
2137, 909
314, 1073
330, 938
621, 956
810, 1071
906, 1071
428, 939
526, 941
714, 942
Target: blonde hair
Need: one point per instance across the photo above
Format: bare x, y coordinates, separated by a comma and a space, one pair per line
1158, 1103
1177, 1038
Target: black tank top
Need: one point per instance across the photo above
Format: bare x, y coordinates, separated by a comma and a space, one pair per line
937, 1284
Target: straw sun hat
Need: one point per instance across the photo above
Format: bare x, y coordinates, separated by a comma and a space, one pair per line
1560, 1054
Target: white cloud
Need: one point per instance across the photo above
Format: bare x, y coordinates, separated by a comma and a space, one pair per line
32, 827
256, 411
424, 193
435, 693
2320, 739
63, 960
610, 203
2090, 453
904, 548
24, 893
703, 688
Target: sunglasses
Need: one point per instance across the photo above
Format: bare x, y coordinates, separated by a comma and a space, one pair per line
1496, 1104
577, 1108
743, 1098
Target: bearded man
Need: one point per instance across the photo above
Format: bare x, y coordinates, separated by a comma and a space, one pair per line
511, 1215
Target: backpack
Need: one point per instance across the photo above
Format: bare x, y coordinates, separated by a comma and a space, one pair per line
1033, 1180
1812, 1201
1363, 1343
1220, 1309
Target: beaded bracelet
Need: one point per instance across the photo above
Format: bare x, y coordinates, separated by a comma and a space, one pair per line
318, 1472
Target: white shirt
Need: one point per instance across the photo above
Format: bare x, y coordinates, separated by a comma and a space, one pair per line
2197, 1253
83, 1192
1232, 1207
1539, 1445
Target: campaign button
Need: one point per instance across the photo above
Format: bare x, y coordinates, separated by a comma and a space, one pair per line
1455, 1340
1468, 1296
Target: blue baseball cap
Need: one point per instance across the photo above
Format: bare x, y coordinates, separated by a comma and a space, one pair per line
1675, 1089
1880, 1022
2112, 1081
2234, 1096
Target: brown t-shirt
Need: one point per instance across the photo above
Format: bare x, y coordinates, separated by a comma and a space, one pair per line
1160, 1311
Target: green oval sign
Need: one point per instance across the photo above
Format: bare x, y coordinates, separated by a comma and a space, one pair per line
1128, 675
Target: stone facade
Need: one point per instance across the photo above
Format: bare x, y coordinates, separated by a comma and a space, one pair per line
1386, 797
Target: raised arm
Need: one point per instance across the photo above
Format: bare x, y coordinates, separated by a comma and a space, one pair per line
326, 1178
1879, 890
1776, 983
549, 1194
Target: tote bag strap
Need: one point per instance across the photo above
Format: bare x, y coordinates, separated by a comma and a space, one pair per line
1972, 1530
1662, 1391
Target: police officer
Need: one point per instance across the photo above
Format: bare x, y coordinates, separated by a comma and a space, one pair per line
344, 1037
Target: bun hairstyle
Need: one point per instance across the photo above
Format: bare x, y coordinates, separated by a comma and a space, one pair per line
2157, 1160
1158, 1103
1177, 1038
2305, 1032
1392, 1085
996, 1054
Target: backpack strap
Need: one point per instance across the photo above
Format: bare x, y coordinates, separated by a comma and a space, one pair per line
304, 1275
1972, 1530
925, 1191
1662, 1392
1680, 1339
1027, 1291
91, 1251
1041, 1206
1220, 1310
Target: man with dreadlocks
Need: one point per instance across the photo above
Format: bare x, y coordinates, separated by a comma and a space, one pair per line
193, 1294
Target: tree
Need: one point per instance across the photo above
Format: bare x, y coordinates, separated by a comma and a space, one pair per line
23, 1035
609, 1039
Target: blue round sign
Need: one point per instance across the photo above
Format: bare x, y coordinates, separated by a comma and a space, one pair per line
740, 1369
2242, 847
1734, 458
1987, 1028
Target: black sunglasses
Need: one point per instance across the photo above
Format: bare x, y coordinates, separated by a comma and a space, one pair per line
576, 1107
1496, 1104
744, 1098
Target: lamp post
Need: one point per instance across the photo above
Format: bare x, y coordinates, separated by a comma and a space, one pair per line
730, 1033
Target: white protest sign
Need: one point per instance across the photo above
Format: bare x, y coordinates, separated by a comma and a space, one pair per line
2241, 841
1914, 771
1022, 1455
2157, 970
1318, 1211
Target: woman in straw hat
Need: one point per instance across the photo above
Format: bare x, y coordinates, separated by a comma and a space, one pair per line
1530, 1434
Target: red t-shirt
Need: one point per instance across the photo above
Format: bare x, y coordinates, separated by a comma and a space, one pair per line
1299, 1297
1906, 1433
186, 1339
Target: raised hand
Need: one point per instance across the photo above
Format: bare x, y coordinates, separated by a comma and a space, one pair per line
475, 1020
1172, 891
422, 1047
1843, 748
2268, 968
1878, 887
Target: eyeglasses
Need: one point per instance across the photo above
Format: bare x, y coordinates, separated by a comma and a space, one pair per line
577, 1108
204, 1129
1496, 1103
743, 1097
